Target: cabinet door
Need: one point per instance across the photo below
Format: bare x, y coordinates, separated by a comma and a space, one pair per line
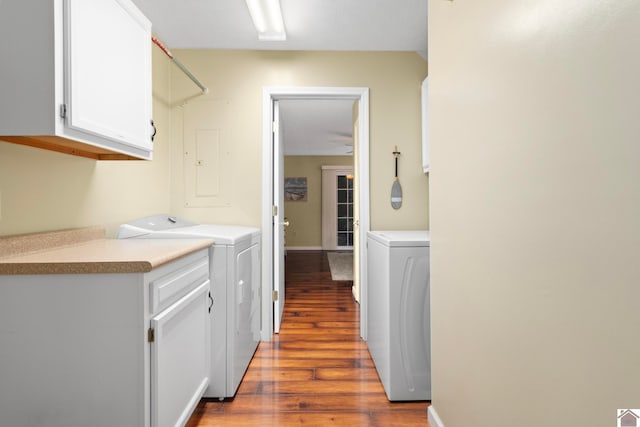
108, 71
180, 358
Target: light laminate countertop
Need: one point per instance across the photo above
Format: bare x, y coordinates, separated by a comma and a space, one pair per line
82, 251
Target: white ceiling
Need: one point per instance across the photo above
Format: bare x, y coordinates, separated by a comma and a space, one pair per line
342, 25
317, 127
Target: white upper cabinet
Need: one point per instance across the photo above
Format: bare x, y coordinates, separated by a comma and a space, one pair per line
76, 77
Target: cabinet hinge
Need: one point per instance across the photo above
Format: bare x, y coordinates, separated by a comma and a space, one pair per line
151, 335
273, 126
274, 295
274, 210
63, 111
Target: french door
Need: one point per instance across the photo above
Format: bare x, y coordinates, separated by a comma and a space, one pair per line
337, 207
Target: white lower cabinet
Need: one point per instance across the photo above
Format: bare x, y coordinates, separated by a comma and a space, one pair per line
180, 358
105, 350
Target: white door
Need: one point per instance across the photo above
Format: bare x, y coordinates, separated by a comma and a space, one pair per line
278, 218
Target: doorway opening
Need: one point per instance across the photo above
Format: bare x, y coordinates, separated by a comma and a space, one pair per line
273, 221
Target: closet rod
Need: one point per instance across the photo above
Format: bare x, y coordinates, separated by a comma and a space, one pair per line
179, 64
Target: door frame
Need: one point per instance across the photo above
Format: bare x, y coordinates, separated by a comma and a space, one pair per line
276, 93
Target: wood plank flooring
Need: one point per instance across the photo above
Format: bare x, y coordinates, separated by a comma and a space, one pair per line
317, 371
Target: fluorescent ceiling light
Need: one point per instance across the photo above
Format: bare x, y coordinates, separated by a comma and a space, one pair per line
267, 18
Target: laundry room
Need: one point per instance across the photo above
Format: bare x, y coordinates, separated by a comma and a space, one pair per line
73, 189
152, 273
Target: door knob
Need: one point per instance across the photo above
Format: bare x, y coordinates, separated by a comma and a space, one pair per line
285, 223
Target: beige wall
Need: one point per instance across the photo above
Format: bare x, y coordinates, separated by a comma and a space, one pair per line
42, 190
305, 217
535, 208
237, 79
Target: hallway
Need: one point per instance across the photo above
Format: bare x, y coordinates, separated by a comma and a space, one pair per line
317, 371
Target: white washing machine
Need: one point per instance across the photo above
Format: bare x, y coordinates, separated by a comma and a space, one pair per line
235, 290
399, 337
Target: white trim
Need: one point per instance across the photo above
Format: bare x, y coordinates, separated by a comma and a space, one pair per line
303, 248
433, 418
365, 207
267, 218
425, 124
269, 94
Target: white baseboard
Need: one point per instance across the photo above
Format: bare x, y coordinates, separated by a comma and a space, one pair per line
303, 248
434, 419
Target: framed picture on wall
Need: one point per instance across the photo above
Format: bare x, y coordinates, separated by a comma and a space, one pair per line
295, 189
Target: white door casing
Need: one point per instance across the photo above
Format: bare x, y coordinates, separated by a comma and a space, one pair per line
269, 257
355, 290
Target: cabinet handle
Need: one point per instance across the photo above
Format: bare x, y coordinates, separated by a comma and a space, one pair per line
153, 135
210, 299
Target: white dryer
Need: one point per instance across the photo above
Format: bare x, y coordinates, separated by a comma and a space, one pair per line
235, 290
398, 312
